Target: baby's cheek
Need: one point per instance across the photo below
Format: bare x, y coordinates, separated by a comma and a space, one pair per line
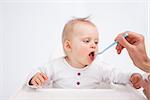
84, 52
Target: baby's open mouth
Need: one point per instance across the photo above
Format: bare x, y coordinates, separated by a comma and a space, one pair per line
92, 55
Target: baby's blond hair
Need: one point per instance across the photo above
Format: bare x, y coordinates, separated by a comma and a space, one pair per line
69, 27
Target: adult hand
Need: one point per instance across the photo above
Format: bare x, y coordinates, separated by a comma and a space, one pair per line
134, 43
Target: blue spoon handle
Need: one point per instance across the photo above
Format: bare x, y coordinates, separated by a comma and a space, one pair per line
115, 42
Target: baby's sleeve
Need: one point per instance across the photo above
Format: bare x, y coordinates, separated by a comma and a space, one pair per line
46, 69
114, 75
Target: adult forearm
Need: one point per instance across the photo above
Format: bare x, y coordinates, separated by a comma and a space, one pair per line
146, 66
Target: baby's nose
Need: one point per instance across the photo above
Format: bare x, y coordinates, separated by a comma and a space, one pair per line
93, 45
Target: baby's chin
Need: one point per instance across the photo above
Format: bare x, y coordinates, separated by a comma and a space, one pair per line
89, 62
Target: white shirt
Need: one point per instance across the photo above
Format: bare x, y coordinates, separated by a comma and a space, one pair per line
64, 75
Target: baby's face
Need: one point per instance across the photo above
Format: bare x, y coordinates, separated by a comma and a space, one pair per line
84, 43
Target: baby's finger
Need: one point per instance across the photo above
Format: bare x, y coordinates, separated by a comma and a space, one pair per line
44, 76
33, 82
38, 82
41, 79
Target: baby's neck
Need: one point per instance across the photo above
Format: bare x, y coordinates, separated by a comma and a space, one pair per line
74, 64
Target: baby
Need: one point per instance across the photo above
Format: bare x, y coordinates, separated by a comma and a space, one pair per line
80, 68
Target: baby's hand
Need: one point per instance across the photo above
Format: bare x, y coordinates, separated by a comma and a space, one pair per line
146, 88
136, 80
38, 79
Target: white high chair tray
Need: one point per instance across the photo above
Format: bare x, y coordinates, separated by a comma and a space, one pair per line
116, 92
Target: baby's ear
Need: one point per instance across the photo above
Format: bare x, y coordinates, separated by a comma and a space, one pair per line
67, 45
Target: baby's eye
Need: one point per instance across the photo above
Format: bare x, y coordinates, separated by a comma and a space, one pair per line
86, 41
96, 42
